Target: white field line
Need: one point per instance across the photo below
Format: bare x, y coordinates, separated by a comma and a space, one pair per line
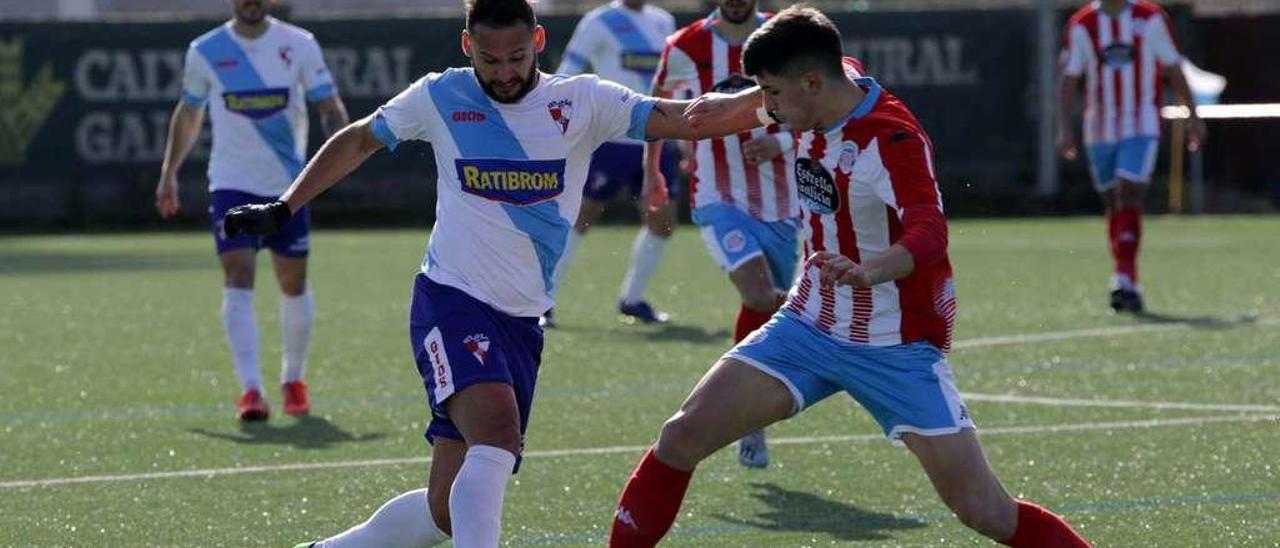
1028, 429
1111, 331
1071, 402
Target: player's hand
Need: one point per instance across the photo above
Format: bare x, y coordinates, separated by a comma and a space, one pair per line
655, 192
761, 149
708, 107
1197, 133
167, 203
1068, 144
257, 219
836, 269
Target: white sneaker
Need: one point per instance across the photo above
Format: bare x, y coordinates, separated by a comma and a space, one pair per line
753, 451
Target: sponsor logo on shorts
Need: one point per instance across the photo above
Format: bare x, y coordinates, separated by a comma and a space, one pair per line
441, 373
478, 346
733, 241
518, 182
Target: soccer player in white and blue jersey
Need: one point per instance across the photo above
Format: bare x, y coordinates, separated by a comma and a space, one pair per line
622, 41
512, 147
255, 75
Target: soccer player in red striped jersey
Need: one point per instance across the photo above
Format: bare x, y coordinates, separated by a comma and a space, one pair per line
1122, 50
742, 191
871, 315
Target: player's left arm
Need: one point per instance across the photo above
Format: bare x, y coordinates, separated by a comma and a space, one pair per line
909, 185
1160, 40
711, 115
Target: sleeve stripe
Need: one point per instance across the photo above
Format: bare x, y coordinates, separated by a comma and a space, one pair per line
321, 92
383, 132
192, 100
640, 114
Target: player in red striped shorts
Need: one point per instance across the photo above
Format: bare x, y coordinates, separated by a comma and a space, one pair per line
871, 315
1122, 50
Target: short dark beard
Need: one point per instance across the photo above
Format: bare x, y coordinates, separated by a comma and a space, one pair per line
530, 81
262, 10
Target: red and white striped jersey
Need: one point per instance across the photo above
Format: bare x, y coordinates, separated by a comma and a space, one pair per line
867, 183
698, 59
1120, 57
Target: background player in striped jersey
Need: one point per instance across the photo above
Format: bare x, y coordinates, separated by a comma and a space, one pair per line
741, 189
1122, 50
621, 41
512, 148
258, 71
871, 314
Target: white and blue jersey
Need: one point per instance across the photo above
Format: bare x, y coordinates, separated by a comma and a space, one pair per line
511, 176
619, 44
256, 90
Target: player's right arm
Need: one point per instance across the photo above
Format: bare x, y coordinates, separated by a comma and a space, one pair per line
184, 129
1075, 59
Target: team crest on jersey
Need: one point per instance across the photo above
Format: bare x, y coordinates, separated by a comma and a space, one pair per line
561, 111
478, 346
733, 84
816, 187
1118, 55
848, 156
257, 103
286, 55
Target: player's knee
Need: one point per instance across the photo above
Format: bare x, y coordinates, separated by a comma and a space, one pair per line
239, 277
681, 442
293, 285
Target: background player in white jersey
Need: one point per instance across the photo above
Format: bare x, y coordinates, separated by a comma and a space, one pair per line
621, 41
512, 147
871, 315
1122, 50
741, 189
256, 75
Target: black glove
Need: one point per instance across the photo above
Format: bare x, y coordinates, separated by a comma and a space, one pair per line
256, 219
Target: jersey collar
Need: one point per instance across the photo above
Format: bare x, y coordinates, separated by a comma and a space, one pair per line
864, 108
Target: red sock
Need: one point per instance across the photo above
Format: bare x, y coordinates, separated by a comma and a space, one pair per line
1113, 222
1040, 528
649, 504
1128, 235
749, 319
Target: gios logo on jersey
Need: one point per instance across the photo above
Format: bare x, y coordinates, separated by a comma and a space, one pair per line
257, 103
816, 187
518, 182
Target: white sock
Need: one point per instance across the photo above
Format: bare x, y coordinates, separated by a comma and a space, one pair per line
562, 269
645, 255
403, 522
297, 314
475, 503
241, 327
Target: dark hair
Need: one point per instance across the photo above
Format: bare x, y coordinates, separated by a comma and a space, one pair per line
499, 13
797, 39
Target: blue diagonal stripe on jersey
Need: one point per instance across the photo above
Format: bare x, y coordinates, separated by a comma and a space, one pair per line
628, 34
233, 68
458, 90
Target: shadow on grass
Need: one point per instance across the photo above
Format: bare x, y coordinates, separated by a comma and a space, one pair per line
1196, 322
661, 332
307, 433
801, 512
40, 262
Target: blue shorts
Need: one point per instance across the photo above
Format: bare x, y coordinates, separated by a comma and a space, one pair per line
907, 388
291, 241
733, 237
459, 341
615, 166
1132, 159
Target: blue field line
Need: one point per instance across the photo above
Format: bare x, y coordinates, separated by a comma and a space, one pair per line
1081, 508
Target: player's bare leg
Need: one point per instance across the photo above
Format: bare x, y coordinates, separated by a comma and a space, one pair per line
646, 252
760, 299
488, 418
297, 316
732, 399
964, 480
240, 325
446, 459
